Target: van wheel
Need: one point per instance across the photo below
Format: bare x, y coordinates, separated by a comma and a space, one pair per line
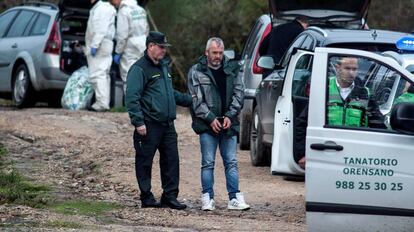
23, 94
244, 135
258, 151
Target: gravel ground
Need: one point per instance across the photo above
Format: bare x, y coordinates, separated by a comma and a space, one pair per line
89, 155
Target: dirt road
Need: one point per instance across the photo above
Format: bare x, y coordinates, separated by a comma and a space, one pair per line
88, 155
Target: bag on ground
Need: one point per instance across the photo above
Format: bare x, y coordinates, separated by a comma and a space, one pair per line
78, 91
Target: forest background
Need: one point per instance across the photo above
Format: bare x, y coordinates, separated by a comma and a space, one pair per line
189, 23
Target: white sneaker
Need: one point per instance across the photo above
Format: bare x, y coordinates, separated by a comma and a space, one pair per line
208, 204
238, 203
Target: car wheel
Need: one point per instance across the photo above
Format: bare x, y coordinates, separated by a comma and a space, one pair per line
244, 135
23, 94
258, 151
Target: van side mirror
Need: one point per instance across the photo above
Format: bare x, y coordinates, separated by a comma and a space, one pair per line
230, 54
266, 62
402, 118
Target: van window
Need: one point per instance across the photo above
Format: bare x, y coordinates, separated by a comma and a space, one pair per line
301, 76
361, 93
20, 23
5, 21
41, 25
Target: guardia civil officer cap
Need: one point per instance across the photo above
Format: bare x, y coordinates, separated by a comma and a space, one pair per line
157, 38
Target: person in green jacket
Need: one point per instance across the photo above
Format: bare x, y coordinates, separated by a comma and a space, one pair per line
151, 103
350, 104
407, 96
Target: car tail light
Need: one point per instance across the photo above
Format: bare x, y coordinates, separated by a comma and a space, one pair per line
257, 69
53, 42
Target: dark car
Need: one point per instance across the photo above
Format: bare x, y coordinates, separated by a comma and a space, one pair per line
323, 13
271, 89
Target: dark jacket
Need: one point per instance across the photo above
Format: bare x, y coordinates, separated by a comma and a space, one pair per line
279, 39
207, 104
150, 94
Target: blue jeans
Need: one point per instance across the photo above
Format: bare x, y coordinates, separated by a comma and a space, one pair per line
227, 146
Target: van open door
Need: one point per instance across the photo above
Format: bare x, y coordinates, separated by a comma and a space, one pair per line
359, 178
286, 152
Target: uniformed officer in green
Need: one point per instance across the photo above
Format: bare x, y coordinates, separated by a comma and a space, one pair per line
407, 96
350, 104
151, 103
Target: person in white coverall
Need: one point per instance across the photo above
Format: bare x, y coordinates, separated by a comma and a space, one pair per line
131, 32
99, 37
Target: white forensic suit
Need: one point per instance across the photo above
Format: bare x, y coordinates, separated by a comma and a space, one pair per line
100, 33
131, 32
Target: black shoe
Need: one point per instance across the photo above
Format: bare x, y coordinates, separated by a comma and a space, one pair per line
173, 204
150, 203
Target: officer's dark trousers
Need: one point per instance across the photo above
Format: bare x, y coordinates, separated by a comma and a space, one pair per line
161, 136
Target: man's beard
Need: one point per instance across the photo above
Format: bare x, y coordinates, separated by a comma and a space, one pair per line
215, 63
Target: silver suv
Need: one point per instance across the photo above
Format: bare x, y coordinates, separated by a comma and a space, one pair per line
32, 53
40, 47
325, 13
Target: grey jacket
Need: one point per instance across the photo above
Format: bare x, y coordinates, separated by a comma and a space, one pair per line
206, 104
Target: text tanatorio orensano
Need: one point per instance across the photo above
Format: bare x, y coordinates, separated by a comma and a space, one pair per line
369, 171
371, 161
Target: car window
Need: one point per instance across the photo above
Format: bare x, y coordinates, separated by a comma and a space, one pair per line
301, 76
5, 21
296, 44
361, 93
20, 23
30, 25
41, 25
308, 43
251, 41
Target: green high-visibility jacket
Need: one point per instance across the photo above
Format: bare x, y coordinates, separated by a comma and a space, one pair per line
351, 111
406, 97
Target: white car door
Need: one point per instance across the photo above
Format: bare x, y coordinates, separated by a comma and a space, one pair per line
357, 178
288, 107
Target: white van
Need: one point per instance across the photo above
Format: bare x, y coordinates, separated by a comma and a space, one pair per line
357, 178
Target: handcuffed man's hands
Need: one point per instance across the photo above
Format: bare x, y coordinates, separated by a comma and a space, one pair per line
142, 130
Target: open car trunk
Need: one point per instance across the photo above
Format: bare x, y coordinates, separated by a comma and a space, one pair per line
321, 11
72, 32
72, 24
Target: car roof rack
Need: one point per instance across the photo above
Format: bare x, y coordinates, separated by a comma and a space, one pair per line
40, 4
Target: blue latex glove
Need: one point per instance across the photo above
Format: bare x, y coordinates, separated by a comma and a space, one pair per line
117, 58
94, 51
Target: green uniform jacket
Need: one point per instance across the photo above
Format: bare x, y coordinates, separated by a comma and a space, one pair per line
357, 110
150, 95
206, 97
407, 96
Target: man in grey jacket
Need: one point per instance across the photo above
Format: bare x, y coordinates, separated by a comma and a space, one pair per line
217, 94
